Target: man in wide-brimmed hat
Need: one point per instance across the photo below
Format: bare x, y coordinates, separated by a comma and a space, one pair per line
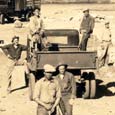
68, 88
47, 92
13, 52
86, 28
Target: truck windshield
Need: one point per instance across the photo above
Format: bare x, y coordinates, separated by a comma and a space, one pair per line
58, 40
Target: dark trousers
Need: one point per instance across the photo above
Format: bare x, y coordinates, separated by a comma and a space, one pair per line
83, 44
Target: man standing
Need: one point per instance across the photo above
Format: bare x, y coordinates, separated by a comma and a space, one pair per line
86, 28
105, 44
47, 92
13, 52
68, 88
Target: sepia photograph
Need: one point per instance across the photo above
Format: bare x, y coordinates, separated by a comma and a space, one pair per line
57, 57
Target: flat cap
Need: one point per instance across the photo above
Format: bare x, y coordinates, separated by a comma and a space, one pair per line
86, 10
49, 68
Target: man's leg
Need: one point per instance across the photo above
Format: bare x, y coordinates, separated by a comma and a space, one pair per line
10, 67
68, 107
83, 45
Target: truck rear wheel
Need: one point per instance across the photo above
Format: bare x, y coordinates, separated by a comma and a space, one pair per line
87, 90
31, 85
92, 85
92, 88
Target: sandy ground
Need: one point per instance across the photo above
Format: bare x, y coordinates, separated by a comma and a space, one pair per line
62, 16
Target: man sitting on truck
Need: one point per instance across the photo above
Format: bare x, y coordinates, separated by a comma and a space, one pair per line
36, 31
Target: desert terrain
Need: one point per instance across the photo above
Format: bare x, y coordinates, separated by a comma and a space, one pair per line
63, 16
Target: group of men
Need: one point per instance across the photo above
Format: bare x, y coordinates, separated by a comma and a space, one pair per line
50, 91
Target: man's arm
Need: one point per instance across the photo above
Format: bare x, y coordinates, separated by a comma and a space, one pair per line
73, 84
24, 47
92, 25
58, 96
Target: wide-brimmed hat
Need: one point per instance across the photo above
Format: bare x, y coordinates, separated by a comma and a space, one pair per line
49, 68
61, 64
15, 37
85, 10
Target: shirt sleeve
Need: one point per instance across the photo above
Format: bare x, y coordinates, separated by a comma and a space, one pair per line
42, 25
24, 47
92, 23
5, 46
37, 90
58, 90
73, 84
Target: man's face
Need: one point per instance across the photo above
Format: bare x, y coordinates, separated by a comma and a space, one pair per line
37, 12
62, 69
48, 75
86, 13
16, 41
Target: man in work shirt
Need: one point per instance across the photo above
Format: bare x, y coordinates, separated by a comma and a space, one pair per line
86, 28
105, 44
47, 92
68, 88
13, 52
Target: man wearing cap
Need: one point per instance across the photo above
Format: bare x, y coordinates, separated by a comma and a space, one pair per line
13, 52
68, 88
105, 44
47, 92
86, 28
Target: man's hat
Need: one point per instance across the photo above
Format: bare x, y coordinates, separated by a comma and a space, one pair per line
61, 64
86, 10
49, 68
107, 22
15, 37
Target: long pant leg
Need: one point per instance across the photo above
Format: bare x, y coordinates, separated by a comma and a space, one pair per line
83, 44
41, 110
104, 55
10, 67
68, 107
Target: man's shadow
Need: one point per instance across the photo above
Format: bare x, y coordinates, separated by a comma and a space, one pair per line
103, 90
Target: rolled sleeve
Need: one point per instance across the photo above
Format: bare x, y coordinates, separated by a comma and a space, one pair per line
37, 91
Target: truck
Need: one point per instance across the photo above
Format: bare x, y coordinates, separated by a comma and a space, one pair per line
17, 8
64, 48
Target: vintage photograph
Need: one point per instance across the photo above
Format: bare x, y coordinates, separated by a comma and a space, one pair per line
57, 57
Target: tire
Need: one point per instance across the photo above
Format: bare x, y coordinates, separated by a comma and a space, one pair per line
31, 85
92, 88
87, 90
2, 19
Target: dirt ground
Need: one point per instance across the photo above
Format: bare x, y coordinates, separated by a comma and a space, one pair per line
63, 16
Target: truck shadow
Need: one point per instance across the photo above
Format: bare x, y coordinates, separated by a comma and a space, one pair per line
103, 89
